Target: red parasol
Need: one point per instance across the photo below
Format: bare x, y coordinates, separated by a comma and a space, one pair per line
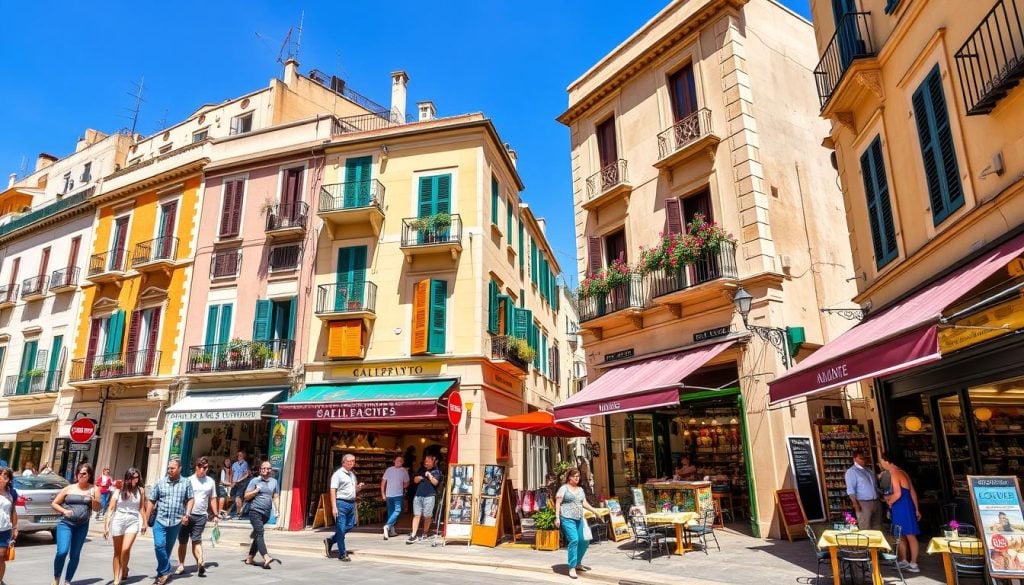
540, 423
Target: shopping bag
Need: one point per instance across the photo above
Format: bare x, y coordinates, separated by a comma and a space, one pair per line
10, 553
215, 536
588, 534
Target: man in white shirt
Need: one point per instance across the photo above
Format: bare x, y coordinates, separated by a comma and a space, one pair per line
392, 491
344, 488
205, 500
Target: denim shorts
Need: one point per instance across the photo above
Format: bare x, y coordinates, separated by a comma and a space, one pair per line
5, 538
423, 505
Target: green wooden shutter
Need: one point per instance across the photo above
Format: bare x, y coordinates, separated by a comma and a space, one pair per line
357, 176
261, 323
890, 6
443, 194
53, 373
555, 297
492, 308
544, 354
438, 301
351, 275
535, 344
28, 358
224, 330
494, 200
533, 260
522, 297
876, 188
212, 322
293, 307
426, 202
945, 192
115, 332
522, 248
510, 221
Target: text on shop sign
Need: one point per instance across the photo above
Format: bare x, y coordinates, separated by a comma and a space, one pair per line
832, 374
387, 371
214, 415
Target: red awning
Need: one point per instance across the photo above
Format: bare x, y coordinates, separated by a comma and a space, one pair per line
541, 423
640, 385
901, 337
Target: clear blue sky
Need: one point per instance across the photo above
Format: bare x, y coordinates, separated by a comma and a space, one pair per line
70, 69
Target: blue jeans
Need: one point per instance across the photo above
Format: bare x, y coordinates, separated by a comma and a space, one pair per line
164, 538
345, 521
104, 501
70, 538
577, 544
394, 510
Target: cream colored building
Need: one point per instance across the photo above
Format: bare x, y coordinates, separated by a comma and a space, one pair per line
925, 121
708, 108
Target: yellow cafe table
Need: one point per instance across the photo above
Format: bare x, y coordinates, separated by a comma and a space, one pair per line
679, 519
940, 545
876, 542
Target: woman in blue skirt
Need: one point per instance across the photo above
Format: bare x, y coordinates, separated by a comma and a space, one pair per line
905, 513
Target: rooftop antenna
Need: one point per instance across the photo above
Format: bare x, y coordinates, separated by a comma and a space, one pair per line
162, 122
23, 168
134, 111
298, 42
284, 44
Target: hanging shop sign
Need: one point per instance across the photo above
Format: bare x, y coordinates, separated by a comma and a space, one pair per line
997, 506
989, 324
711, 333
622, 354
370, 410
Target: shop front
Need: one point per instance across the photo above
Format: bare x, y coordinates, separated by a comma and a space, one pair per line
25, 440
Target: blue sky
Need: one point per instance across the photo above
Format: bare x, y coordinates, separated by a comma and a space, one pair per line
70, 69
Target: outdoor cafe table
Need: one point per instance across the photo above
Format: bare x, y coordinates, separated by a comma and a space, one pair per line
876, 541
680, 519
940, 545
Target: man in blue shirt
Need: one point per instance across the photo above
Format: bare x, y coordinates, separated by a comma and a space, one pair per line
239, 480
173, 499
426, 480
863, 492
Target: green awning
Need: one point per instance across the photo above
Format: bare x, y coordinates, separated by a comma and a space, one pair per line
367, 401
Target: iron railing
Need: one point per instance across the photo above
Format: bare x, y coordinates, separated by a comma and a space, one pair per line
365, 122
225, 264
288, 215
162, 248
505, 347
632, 295
44, 211
285, 257
711, 266
109, 261
991, 62
34, 286
64, 278
342, 298
608, 177
115, 365
427, 231
8, 293
684, 132
36, 383
852, 40
351, 195
238, 355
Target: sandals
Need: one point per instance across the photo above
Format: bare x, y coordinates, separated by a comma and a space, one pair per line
248, 561
268, 562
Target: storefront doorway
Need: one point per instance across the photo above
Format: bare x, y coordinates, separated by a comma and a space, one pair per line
130, 450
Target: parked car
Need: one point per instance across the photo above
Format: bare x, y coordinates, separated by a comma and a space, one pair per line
35, 494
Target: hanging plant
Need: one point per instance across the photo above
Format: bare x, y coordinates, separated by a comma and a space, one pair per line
674, 252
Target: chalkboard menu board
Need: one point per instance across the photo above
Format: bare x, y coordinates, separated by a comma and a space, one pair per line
805, 471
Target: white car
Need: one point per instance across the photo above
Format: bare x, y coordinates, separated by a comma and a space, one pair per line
35, 494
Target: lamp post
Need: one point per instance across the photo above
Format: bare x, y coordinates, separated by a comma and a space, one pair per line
776, 336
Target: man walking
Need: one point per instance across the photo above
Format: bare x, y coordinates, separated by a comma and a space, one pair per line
172, 496
392, 490
204, 497
104, 482
426, 480
344, 488
240, 473
863, 492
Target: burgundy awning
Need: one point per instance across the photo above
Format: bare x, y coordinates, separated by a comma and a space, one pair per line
901, 337
640, 385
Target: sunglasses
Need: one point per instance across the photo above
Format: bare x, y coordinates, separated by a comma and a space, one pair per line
83, 473
202, 466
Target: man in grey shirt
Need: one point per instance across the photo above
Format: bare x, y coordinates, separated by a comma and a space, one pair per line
863, 492
344, 488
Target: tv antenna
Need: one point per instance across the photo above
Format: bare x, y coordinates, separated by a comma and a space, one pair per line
134, 110
285, 51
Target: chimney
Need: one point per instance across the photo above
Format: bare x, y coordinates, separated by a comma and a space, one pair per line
11, 179
291, 72
399, 80
44, 160
427, 111
543, 225
512, 154
89, 138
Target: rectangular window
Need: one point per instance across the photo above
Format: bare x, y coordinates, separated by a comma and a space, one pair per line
69, 183
218, 324
357, 181
429, 316
231, 208
693, 205
350, 278
615, 247
200, 135
86, 173
494, 200
682, 90
941, 170
607, 149
118, 245
241, 124
166, 148
876, 188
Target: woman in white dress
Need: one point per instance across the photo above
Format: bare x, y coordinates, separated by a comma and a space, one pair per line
125, 518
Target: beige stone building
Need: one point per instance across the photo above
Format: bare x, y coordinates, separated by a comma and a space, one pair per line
708, 109
925, 118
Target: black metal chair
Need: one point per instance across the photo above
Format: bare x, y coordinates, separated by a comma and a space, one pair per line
967, 530
822, 556
599, 529
647, 537
968, 558
893, 556
854, 556
704, 529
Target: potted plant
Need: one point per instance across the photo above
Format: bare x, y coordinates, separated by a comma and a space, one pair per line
521, 349
547, 535
34, 373
260, 352
115, 368
235, 348
951, 530
201, 362
851, 521
98, 370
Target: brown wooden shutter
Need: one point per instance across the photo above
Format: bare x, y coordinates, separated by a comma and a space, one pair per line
44, 263
673, 219
73, 256
133, 334
225, 209
593, 255
154, 330
90, 352
420, 314
236, 208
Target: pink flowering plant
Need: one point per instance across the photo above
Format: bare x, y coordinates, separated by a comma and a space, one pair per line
954, 526
599, 284
675, 251
851, 520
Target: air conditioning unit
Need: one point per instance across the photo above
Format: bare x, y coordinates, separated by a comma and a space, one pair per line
159, 395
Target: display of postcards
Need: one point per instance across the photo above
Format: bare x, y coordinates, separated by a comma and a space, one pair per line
493, 476
460, 510
462, 479
489, 511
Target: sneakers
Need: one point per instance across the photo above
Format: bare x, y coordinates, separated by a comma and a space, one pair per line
572, 574
424, 538
411, 539
582, 568
387, 532
327, 547
912, 567
202, 569
345, 559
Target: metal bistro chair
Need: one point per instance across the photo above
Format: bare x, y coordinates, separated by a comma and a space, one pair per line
705, 529
822, 556
647, 537
967, 530
894, 555
599, 529
853, 553
968, 559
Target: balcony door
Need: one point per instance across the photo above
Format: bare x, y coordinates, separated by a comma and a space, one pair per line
846, 31
357, 181
164, 247
607, 148
351, 278
708, 268
143, 332
682, 90
435, 197
28, 363
118, 243
291, 194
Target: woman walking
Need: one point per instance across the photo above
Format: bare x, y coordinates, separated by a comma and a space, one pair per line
905, 513
124, 520
261, 493
8, 517
75, 503
569, 503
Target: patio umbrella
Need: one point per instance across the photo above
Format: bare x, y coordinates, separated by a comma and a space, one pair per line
541, 423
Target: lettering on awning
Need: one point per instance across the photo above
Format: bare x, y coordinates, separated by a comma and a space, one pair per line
832, 374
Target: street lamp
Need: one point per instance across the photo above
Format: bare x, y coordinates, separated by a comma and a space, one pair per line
776, 336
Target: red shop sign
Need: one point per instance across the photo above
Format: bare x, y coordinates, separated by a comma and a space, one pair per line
368, 410
455, 409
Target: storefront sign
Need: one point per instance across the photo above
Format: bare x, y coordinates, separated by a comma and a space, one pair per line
503, 447
134, 414
390, 370
79, 447
622, 354
711, 333
996, 321
997, 506
82, 430
215, 415
371, 410
278, 434
177, 439
455, 409
805, 473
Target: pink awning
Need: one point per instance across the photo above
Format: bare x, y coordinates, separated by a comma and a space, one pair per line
901, 337
640, 385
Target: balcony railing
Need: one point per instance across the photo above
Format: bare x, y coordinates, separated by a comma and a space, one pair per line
65, 278
505, 347
285, 257
34, 287
43, 211
991, 62
236, 356
286, 216
115, 365
8, 294
341, 298
109, 261
608, 177
684, 132
632, 295
365, 122
852, 40
720, 264
225, 264
37, 382
425, 231
351, 195
155, 250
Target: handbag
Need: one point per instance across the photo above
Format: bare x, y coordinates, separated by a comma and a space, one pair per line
152, 516
588, 534
10, 552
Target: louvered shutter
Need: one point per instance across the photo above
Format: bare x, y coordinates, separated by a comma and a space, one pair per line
443, 194
945, 192
212, 323
555, 298
236, 208
521, 319
152, 363
508, 313
133, 334
94, 340
510, 221
224, 331
438, 316
345, 339
522, 248
261, 322
533, 260
593, 255
502, 313
115, 333
673, 217
226, 209
876, 189
492, 308
494, 200
426, 206
420, 316
53, 375
293, 309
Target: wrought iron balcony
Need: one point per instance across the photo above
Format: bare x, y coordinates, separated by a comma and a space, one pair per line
675, 141
851, 41
435, 233
365, 122
340, 300
42, 212
991, 62
32, 382
108, 266
225, 263
33, 289
115, 365
607, 179
287, 218
720, 264
64, 280
8, 295
632, 295
506, 348
284, 258
352, 204
156, 253
239, 355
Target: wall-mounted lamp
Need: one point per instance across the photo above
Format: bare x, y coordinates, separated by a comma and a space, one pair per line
776, 336
384, 151
469, 410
